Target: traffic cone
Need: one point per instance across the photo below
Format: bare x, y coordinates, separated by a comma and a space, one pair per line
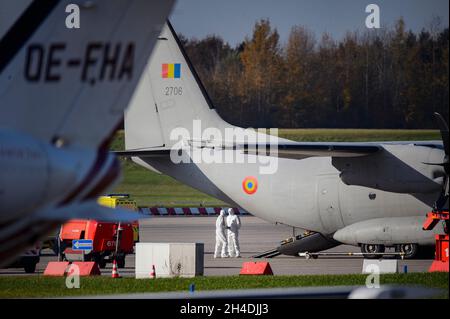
153, 273
115, 273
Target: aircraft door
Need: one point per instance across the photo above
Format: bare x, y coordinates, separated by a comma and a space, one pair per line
328, 203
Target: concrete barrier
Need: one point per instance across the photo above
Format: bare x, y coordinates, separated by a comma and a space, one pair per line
169, 259
85, 268
382, 266
56, 268
256, 268
63, 268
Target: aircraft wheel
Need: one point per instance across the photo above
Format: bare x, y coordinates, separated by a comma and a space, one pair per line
30, 267
426, 252
121, 261
410, 250
370, 250
102, 263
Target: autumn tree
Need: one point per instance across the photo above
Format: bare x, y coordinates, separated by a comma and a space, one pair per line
261, 79
386, 78
297, 103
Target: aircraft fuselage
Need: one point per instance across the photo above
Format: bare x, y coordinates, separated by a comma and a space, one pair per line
307, 193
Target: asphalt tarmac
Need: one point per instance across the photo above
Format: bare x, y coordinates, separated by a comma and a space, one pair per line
256, 236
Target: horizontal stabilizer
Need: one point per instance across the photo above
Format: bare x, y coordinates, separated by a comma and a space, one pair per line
160, 152
88, 210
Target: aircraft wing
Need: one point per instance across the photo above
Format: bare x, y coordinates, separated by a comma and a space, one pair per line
300, 150
290, 149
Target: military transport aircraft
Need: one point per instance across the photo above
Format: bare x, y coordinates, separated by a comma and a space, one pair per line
63, 91
372, 195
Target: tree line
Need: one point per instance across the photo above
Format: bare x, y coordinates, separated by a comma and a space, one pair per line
385, 78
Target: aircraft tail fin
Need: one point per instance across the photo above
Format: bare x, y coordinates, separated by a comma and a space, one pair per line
58, 77
170, 95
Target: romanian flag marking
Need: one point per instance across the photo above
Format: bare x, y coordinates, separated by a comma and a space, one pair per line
171, 70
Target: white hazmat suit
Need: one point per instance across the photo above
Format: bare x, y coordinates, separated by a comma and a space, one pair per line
233, 225
221, 239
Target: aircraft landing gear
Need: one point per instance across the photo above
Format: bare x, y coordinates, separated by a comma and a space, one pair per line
410, 250
372, 251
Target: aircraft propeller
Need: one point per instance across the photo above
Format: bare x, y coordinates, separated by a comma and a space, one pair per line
443, 127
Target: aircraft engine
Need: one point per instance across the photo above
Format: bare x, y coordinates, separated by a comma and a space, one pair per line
36, 174
387, 231
400, 169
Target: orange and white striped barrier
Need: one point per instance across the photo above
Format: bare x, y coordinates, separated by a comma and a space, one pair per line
187, 211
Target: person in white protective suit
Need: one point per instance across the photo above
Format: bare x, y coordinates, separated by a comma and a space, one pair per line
233, 225
221, 238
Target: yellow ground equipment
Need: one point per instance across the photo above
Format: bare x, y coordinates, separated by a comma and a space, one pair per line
123, 201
